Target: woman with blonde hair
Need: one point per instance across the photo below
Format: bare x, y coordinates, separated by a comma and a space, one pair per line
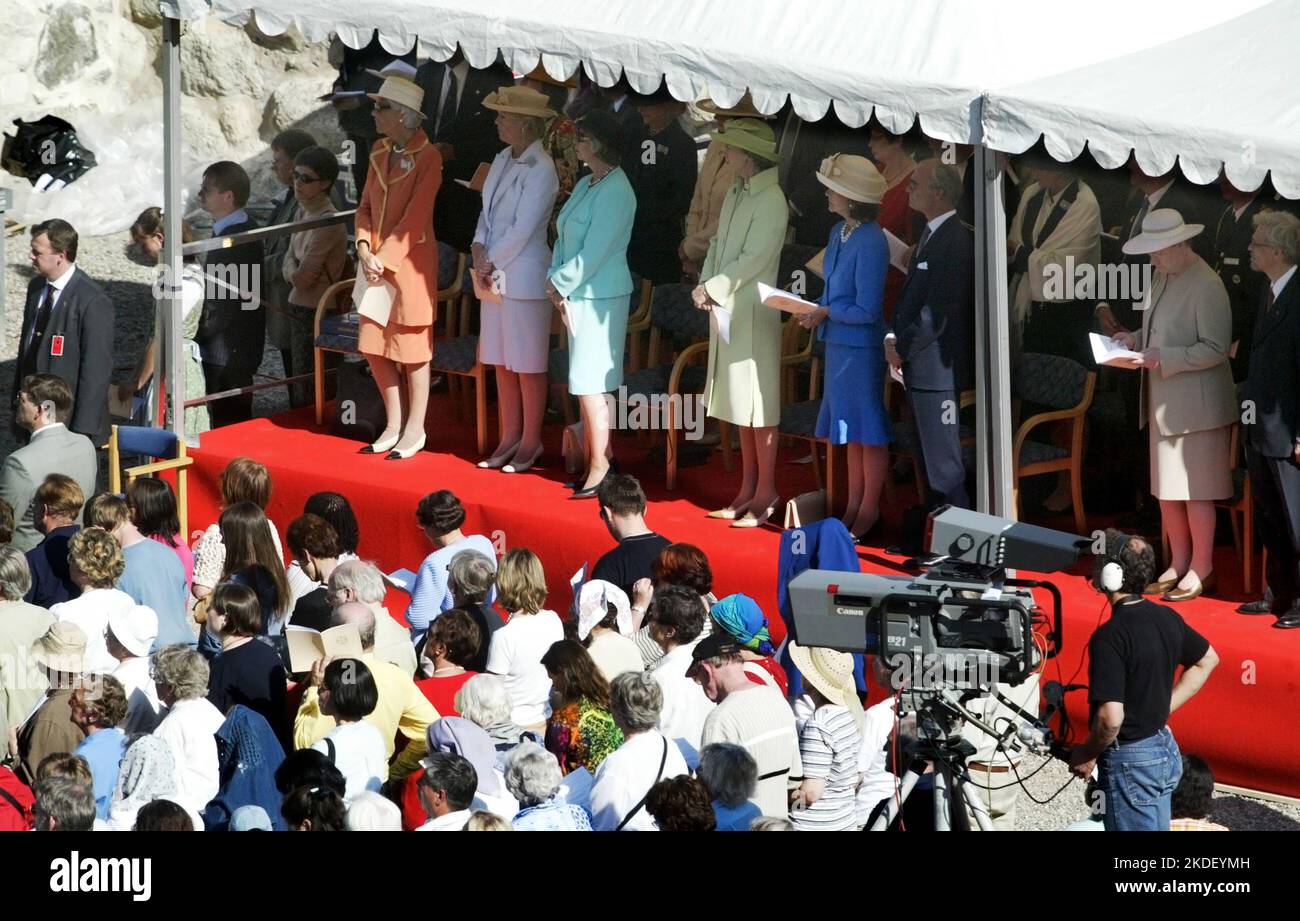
517, 648
95, 563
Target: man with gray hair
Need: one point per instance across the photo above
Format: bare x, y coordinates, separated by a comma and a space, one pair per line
401, 707
21, 624
360, 581
64, 804
1271, 415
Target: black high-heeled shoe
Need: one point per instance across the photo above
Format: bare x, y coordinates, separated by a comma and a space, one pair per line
576, 485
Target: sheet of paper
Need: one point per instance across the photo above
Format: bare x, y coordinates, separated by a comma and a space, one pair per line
374, 302
816, 263
1106, 351
403, 579
784, 300
576, 788
720, 320
896, 374
576, 582
898, 252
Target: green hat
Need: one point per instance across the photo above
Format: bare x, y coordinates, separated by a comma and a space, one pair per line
749, 134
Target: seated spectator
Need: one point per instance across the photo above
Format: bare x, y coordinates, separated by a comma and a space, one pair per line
486, 821
95, 563
248, 756
730, 776
452, 641
254, 560
307, 767
622, 508
6, 523
337, 512
472, 577
363, 583
828, 742
771, 823
469, 740
58, 510
243, 480
581, 732
61, 657
676, 564
624, 779
447, 790
16, 802
517, 648
153, 576
399, 709
130, 636
373, 812
148, 773
21, 625
680, 804
190, 726
98, 706
739, 617
315, 549
605, 626
754, 716
440, 515
676, 620
163, 815
1193, 800
485, 702
314, 809
252, 818
64, 804
533, 777
153, 510
249, 670
348, 694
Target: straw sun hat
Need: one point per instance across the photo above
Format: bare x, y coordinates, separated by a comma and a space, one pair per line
749, 134
401, 91
745, 108
854, 177
519, 100
62, 648
1161, 229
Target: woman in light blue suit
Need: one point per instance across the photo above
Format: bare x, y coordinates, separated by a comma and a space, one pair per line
511, 255
591, 285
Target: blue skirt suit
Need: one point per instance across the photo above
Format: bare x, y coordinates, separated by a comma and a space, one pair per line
589, 267
853, 392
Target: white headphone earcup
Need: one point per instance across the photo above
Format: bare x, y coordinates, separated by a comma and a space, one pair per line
1112, 577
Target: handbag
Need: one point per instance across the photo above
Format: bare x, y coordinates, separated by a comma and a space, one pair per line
574, 448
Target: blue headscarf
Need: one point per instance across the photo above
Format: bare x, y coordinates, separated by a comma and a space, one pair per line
248, 754
742, 618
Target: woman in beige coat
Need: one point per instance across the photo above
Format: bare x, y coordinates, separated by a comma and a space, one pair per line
1188, 400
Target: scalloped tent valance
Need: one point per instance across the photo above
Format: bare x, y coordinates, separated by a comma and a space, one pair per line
901, 60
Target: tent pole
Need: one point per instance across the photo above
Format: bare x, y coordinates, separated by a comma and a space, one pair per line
171, 366
993, 347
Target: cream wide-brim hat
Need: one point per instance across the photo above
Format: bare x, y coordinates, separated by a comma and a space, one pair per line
520, 100
1161, 229
854, 177
828, 671
401, 91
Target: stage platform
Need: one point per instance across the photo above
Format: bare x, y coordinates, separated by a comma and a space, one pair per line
1240, 722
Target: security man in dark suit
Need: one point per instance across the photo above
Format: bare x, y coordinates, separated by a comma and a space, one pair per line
232, 327
1231, 259
932, 339
465, 134
661, 162
67, 329
1271, 414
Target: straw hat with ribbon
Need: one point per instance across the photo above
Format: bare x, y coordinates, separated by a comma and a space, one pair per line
401, 91
1161, 229
749, 134
519, 100
593, 607
745, 108
62, 648
854, 177
539, 74
831, 673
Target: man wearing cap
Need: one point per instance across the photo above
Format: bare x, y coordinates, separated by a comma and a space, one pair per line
130, 637
751, 715
662, 164
60, 657
1187, 397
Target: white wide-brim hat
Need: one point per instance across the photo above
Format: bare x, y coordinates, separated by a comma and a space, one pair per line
135, 628
1161, 229
593, 607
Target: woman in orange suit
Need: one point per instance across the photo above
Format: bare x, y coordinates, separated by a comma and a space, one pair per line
395, 244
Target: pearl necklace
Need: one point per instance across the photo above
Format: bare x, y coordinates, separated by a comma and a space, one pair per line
596, 179
847, 229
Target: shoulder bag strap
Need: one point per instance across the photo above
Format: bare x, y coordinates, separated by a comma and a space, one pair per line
640, 803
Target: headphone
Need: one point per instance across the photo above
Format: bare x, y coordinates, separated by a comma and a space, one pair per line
1112, 571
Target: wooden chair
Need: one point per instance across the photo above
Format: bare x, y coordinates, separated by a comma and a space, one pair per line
799, 418
169, 452
907, 441
638, 323
1066, 388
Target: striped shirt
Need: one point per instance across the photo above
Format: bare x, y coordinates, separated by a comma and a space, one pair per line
760, 720
828, 746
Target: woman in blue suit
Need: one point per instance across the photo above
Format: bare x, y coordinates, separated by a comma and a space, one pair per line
852, 325
590, 284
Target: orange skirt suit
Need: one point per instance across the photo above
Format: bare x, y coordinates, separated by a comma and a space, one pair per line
395, 216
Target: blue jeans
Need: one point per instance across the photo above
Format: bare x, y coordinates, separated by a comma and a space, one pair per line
1138, 780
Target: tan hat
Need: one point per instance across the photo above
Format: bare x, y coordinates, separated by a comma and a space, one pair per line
828, 671
745, 108
854, 177
401, 91
539, 74
62, 648
749, 134
1161, 229
520, 100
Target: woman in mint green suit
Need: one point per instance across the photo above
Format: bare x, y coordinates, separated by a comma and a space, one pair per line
590, 284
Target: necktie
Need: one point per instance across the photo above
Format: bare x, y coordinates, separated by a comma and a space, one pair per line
41, 321
447, 112
925, 236
1268, 304
1141, 216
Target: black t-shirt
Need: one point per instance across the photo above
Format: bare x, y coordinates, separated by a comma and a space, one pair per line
313, 610
252, 675
1132, 660
488, 623
630, 560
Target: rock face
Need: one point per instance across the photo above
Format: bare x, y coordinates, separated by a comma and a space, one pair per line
67, 46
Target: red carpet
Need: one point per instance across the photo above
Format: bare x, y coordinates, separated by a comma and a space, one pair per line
1240, 722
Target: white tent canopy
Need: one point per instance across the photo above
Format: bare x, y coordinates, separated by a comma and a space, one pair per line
901, 58
1225, 97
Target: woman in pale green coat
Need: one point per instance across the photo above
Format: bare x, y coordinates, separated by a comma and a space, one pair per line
744, 379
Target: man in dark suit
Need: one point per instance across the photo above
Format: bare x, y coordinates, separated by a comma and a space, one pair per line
662, 164
67, 328
465, 134
932, 339
1271, 414
1230, 257
232, 328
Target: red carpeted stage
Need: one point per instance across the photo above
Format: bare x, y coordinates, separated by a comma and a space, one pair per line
1240, 721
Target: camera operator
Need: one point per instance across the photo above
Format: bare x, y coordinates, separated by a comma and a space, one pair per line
1133, 660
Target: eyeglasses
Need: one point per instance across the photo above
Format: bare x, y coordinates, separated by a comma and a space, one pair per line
382, 106
304, 177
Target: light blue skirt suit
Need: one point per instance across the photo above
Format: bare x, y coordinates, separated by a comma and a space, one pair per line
589, 267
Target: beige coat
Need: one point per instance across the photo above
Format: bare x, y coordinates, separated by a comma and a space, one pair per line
315, 259
706, 204
1188, 318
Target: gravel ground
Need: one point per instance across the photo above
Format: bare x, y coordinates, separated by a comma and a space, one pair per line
105, 260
